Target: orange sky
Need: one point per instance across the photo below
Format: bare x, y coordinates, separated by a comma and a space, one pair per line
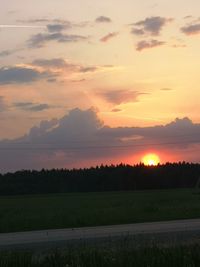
136, 63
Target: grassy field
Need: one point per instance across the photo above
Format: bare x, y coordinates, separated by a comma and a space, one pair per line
22, 213
123, 256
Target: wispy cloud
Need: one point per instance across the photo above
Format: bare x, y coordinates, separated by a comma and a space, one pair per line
148, 44
29, 106
39, 40
109, 36
120, 96
16, 26
191, 29
103, 19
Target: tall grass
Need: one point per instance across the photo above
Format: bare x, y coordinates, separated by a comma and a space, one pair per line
122, 256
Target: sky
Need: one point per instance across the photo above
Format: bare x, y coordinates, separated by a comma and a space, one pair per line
86, 82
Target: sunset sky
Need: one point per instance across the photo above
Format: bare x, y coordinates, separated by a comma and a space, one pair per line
86, 82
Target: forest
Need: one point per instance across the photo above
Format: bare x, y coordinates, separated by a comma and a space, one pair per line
101, 178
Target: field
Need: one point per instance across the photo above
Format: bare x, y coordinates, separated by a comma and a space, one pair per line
22, 213
122, 256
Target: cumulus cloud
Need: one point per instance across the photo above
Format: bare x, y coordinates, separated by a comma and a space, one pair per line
29, 106
108, 36
80, 139
103, 19
39, 40
148, 44
191, 29
120, 96
150, 25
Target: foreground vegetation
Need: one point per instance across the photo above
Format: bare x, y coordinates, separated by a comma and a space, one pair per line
122, 256
22, 213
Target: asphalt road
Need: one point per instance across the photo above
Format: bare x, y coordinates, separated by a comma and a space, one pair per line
57, 236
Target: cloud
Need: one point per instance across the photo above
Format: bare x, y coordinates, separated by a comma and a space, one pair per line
179, 46
60, 64
148, 44
6, 53
191, 29
53, 62
58, 27
46, 69
20, 75
137, 31
116, 110
120, 96
29, 106
16, 26
151, 26
60, 22
103, 19
81, 139
166, 89
109, 36
188, 17
41, 39
3, 106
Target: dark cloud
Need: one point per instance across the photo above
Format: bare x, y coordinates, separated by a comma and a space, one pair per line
29, 106
57, 27
81, 139
148, 44
103, 19
151, 25
137, 31
19, 75
191, 29
41, 39
120, 96
109, 36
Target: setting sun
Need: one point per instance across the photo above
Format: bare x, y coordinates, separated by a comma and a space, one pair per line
151, 160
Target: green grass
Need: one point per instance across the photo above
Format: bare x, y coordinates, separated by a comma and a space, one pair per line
123, 256
22, 213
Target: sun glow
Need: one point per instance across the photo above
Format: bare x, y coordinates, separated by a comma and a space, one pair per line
151, 160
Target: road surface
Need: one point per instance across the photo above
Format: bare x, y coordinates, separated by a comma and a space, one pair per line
45, 237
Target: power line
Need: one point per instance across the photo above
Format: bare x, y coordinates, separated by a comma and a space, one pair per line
103, 146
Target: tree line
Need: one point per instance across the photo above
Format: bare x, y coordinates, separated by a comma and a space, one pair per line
100, 178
